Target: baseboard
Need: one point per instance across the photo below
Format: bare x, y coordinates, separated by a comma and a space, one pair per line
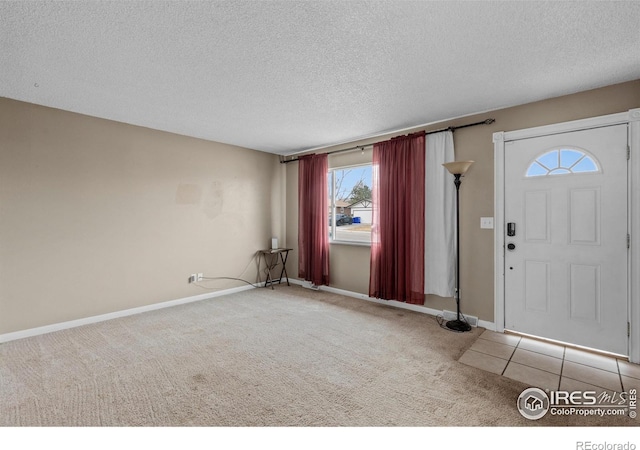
488, 325
114, 315
395, 304
196, 298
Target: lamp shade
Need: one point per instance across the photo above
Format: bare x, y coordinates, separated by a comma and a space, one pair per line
458, 167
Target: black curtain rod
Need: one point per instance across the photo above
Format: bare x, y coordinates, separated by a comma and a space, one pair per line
484, 122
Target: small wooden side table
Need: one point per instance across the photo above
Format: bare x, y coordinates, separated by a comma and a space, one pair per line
284, 254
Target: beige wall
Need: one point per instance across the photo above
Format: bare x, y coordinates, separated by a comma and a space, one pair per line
350, 264
98, 216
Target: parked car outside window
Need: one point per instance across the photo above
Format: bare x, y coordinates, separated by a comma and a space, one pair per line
342, 219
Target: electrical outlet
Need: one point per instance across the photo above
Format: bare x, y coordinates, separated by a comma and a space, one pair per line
486, 223
193, 278
200, 277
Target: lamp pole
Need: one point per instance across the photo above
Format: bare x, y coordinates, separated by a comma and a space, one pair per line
458, 325
457, 169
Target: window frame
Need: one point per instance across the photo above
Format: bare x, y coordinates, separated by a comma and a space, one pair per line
331, 182
586, 156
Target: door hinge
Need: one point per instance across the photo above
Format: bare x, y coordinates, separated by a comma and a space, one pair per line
628, 240
628, 152
628, 329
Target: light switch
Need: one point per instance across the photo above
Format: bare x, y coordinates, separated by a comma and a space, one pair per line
486, 223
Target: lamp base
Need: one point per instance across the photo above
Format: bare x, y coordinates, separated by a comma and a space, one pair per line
458, 325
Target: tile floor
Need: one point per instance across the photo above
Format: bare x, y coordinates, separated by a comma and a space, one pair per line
549, 366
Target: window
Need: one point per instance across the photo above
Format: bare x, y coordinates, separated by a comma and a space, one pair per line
350, 204
562, 162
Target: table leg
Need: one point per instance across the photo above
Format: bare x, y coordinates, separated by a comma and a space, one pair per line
284, 266
269, 279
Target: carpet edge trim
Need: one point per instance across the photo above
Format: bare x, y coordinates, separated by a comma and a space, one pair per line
30, 332
421, 309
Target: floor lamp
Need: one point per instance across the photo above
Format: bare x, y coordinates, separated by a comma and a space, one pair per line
458, 169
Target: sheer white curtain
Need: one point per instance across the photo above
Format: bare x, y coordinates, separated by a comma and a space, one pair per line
439, 241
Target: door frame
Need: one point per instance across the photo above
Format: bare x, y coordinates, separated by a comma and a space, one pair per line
632, 119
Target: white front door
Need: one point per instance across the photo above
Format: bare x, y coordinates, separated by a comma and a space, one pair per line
566, 249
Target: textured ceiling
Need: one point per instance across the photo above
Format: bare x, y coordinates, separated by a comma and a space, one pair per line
285, 76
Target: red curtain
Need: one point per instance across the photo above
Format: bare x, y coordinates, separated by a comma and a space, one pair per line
397, 247
313, 219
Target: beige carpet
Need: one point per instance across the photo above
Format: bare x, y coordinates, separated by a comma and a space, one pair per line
287, 357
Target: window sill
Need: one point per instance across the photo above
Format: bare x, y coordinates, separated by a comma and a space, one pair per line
352, 243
